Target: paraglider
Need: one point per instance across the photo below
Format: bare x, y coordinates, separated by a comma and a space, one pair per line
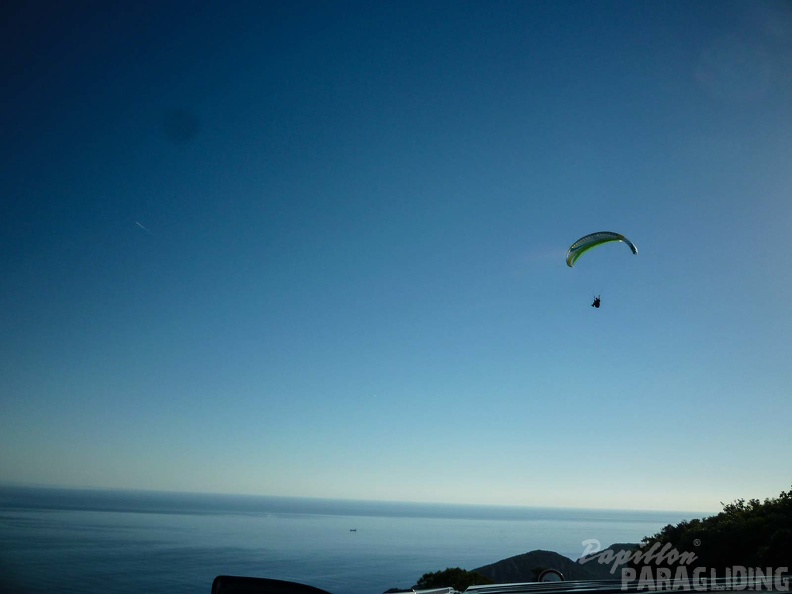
589, 242
584, 244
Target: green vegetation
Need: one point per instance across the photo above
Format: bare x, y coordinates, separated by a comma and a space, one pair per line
746, 533
457, 578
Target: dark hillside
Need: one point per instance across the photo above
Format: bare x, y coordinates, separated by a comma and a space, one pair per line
526, 567
608, 563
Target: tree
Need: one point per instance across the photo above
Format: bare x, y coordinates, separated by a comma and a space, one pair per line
746, 533
453, 577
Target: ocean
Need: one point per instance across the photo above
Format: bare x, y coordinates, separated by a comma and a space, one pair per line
70, 541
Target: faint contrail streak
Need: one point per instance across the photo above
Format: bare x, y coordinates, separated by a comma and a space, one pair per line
142, 227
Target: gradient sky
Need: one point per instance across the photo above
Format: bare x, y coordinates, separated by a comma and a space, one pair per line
317, 249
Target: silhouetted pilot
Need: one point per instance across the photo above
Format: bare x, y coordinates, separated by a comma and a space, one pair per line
596, 302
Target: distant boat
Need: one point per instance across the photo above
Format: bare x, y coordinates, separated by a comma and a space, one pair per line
353, 529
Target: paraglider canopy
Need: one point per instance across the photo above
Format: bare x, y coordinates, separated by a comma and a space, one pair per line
584, 244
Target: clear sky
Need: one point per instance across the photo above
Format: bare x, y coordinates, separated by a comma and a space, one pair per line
317, 249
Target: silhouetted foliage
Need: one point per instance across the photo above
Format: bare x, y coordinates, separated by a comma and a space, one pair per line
746, 533
455, 577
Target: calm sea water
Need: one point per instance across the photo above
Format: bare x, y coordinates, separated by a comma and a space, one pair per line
69, 541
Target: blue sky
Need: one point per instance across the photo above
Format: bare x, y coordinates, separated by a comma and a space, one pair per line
317, 249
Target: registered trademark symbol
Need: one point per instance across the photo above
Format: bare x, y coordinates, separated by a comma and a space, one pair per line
696, 542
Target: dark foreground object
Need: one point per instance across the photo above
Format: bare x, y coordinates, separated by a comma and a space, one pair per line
224, 584
229, 584
741, 585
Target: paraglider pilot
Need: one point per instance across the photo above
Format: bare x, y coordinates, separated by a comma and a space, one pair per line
596, 302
